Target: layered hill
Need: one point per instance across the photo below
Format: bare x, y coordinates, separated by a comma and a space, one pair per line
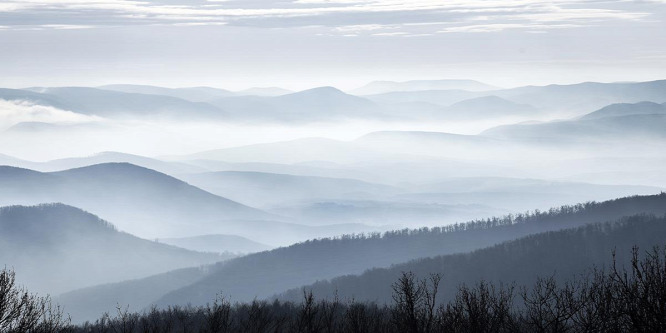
489, 107
613, 122
136, 199
263, 274
627, 109
565, 255
114, 104
318, 104
558, 100
56, 248
256, 275
583, 97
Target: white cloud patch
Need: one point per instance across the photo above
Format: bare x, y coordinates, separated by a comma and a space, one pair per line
14, 112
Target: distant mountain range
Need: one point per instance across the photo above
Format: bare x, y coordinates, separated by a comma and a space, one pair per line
614, 122
627, 109
555, 100
324, 103
115, 104
458, 100
577, 99
56, 248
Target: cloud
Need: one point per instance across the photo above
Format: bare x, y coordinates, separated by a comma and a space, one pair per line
14, 112
336, 14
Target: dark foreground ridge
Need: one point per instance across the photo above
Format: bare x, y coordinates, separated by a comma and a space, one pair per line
628, 295
615, 300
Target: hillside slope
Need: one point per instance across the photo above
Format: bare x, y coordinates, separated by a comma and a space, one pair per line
264, 274
260, 274
135, 199
56, 248
563, 254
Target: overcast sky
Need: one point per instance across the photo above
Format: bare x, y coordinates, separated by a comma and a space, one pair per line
297, 44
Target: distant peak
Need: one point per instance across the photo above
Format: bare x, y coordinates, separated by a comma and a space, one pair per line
624, 109
112, 166
325, 89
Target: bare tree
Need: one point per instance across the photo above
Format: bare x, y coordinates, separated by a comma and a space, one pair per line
218, 315
21, 311
414, 302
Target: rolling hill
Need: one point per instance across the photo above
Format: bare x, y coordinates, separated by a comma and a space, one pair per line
318, 104
612, 122
627, 109
565, 255
555, 100
488, 107
136, 199
113, 104
257, 274
56, 248
170, 168
581, 98
264, 274
619, 128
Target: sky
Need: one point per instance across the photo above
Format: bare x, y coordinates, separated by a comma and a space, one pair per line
298, 44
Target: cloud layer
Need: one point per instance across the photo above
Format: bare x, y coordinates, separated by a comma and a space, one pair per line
345, 17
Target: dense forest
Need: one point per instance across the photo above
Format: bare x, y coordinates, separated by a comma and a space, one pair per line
561, 255
617, 299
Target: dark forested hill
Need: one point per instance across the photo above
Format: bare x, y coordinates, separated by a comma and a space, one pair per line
55, 248
264, 274
564, 254
259, 275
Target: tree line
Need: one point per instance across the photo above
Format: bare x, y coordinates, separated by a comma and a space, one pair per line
617, 299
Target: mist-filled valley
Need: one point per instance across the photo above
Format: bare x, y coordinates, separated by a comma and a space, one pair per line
125, 198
